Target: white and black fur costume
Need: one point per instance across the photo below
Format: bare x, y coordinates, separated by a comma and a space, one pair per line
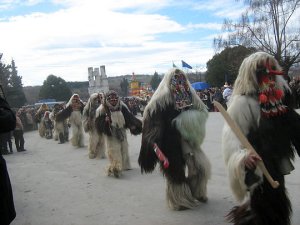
112, 121
179, 134
96, 144
48, 124
60, 124
275, 138
74, 113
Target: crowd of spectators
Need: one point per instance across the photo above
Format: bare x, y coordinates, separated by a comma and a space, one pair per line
211, 94
295, 87
137, 105
25, 122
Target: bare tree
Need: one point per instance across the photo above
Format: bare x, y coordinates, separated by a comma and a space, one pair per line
268, 25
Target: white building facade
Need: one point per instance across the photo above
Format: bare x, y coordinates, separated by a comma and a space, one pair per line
98, 81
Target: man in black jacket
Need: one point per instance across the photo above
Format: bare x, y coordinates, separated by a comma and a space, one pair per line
7, 208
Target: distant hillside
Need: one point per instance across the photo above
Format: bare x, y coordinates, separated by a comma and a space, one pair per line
81, 87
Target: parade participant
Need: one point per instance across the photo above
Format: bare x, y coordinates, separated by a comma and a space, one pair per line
48, 124
273, 129
38, 117
96, 144
73, 111
112, 119
7, 208
175, 119
59, 124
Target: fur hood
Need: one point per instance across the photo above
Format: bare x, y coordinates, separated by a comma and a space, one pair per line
163, 96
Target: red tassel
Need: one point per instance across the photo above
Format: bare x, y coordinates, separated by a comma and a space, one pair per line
278, 94
263, 98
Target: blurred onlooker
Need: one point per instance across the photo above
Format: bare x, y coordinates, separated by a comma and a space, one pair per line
5, 139
227, 92
18, 134
295, 87
218, 96
7, 208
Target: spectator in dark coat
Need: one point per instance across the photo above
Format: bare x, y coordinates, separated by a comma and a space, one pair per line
7, 208
18, 134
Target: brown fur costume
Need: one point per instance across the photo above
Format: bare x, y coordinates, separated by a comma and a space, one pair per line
96, 144
59, 123
112, 120
175, 119
39, 116
75, 107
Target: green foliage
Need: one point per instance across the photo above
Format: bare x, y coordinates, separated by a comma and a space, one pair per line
155, 81
77, 84
224, 66
56, 88
12, 85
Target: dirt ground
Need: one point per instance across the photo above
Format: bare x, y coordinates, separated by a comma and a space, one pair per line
57, 184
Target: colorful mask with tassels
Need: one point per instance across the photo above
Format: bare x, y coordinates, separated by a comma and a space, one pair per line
181, 91
270, 95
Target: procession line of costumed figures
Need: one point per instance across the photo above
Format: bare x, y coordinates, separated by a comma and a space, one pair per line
173, 129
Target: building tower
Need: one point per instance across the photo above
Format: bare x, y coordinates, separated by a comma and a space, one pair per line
98, 82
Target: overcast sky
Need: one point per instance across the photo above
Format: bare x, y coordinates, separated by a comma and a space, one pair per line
65, 37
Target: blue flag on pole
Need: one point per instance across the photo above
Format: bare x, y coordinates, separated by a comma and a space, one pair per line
184, 64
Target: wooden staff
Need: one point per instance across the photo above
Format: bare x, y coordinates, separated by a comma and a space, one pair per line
237, 131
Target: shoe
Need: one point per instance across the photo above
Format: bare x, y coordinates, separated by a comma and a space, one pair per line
22, 150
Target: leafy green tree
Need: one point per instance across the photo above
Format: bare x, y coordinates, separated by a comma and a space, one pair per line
4, 77
56, 88
224, 66
124, 87
271, 26
12, 85
155, 81
15, 93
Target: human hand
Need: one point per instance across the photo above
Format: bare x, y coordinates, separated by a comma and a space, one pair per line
251, 160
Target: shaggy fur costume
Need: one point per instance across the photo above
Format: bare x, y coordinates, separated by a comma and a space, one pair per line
74, 112
48, 124
274, 131
112, 121
38, 118
60, 125
96, 144
179, 134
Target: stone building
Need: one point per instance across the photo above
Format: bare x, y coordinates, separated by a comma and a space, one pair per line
98, 81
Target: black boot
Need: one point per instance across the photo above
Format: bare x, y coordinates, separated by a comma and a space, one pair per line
61, 138
4, 151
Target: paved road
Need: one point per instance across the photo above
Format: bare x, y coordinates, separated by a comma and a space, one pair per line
57, 184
